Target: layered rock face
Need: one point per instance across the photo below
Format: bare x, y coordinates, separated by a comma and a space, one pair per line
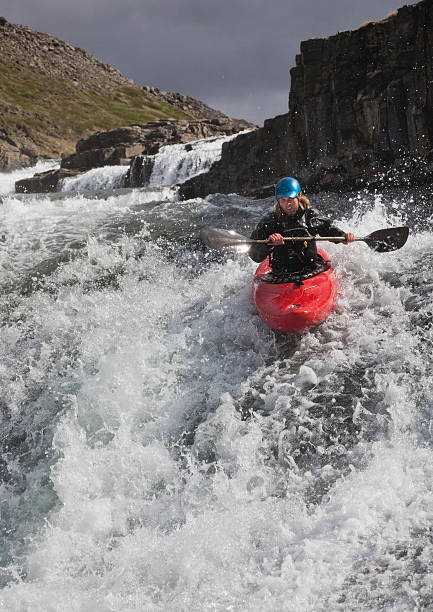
361, 101
360, 106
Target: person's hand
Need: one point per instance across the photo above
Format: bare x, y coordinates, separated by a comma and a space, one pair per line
276, 239
349, 237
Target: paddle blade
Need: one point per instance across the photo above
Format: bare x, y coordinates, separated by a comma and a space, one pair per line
389, 239
217, 238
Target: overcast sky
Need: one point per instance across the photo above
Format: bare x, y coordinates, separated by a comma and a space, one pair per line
235, 55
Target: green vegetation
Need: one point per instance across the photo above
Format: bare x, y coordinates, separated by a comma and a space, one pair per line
55, 113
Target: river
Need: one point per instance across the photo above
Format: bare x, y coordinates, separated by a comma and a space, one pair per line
162, 449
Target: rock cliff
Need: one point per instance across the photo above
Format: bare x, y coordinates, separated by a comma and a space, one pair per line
361, 101
360, 108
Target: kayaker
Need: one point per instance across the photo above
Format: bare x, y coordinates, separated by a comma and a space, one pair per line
292, 216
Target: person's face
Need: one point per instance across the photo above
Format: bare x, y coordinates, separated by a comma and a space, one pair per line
289, 205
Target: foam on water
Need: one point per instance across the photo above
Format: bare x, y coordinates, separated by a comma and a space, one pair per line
164, 450
107, 177
175, 164
39, 229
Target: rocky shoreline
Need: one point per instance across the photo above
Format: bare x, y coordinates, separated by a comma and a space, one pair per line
124, 145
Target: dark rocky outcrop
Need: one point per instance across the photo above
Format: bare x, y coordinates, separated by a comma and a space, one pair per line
361, 101
360, 107
44, 182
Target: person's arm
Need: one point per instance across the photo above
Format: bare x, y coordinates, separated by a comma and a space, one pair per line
259, 252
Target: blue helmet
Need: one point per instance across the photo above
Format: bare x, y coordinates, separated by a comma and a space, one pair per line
287, 187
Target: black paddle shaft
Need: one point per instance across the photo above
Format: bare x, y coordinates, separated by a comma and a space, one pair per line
382, 241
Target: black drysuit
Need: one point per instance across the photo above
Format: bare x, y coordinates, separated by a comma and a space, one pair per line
292, 256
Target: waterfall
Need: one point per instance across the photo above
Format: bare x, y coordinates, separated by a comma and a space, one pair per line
175, 164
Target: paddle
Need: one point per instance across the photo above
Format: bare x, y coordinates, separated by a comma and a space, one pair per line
382, 241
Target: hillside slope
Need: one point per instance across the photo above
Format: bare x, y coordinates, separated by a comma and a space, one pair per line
52, 94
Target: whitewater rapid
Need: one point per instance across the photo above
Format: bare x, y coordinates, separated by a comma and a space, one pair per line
162, 449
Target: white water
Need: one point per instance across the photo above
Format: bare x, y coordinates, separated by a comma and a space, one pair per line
107, 177
164, 450
175, 164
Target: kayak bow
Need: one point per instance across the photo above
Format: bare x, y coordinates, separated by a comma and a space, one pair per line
295, 306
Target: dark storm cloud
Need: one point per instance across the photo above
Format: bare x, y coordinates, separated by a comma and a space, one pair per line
233, 54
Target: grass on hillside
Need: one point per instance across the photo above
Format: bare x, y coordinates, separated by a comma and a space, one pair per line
56, 113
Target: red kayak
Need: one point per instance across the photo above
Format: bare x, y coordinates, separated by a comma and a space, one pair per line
295, 306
